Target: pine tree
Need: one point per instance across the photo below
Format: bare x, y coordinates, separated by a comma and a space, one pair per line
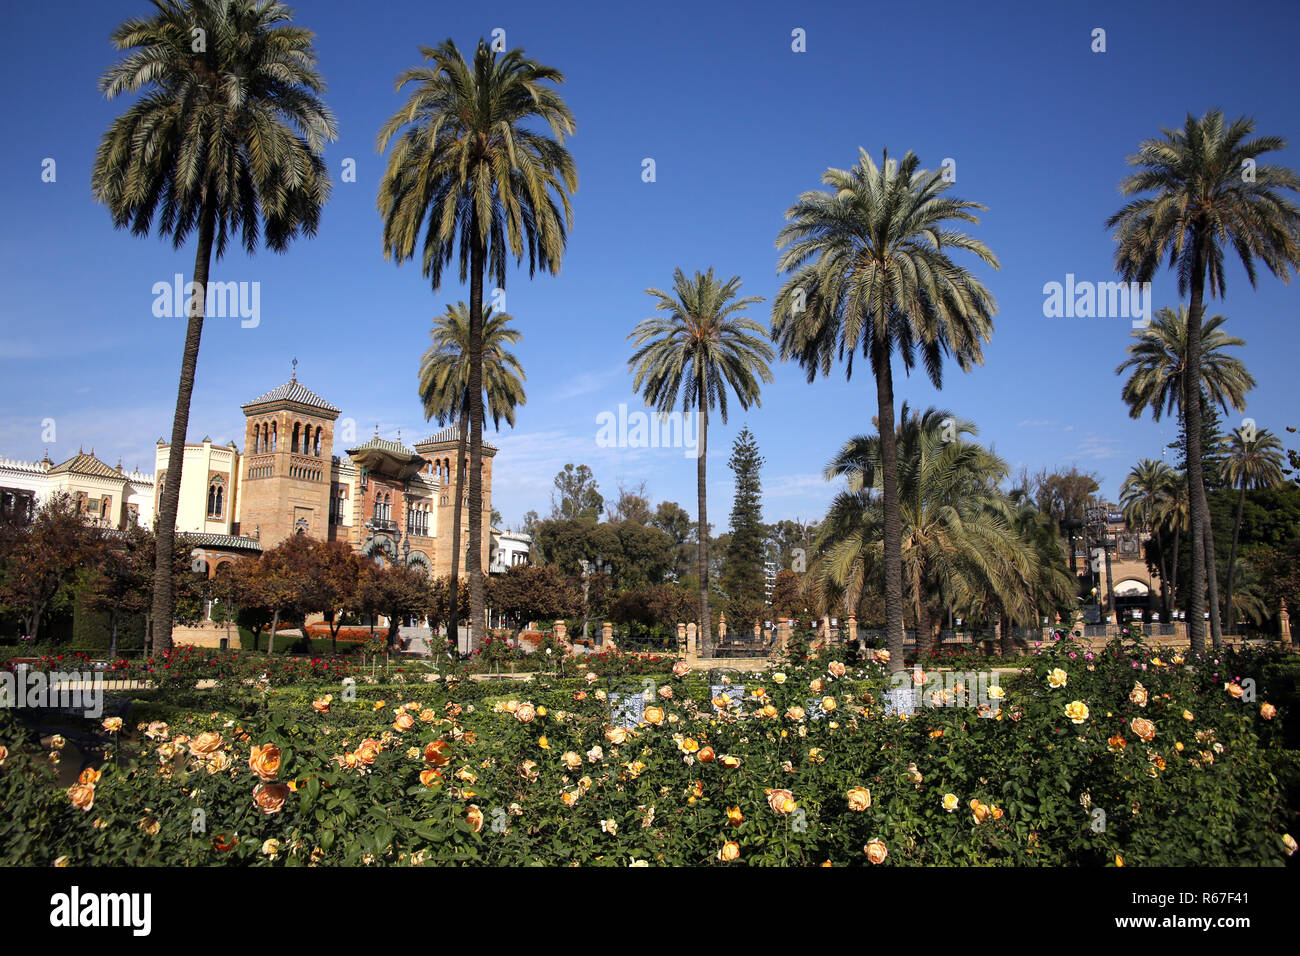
742, 571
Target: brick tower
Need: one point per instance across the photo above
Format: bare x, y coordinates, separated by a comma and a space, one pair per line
288, 443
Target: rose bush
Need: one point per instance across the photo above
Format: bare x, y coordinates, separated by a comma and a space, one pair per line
1065, 770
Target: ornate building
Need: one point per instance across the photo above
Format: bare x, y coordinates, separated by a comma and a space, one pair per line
388, 501
107, 496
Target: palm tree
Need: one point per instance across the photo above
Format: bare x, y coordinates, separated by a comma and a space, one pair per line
1173, 514
690, 358
227, 138
1159, 381
961, 541
1205, 194
466, 158
869, 268
1140, 496
1253, 460
444, 390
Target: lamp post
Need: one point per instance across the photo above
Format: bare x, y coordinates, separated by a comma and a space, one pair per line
600, 566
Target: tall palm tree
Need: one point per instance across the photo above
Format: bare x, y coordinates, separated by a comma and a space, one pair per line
1173, 514
690, 358
1140, 496
467, 158
1253, 459
444, 391
226, 140
869, 268
1205, 194
1159, 360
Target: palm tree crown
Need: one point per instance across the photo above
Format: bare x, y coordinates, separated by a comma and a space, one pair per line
1157, 360
444, 368
236, 127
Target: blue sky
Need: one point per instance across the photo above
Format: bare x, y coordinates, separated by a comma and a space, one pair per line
738, 125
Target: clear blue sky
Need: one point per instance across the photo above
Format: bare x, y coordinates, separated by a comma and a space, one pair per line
738, 124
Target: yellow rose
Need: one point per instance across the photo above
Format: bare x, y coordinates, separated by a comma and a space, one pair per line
265, 761
778, 678
528, 770
270, 797
205, 744
950, 802
616, 735
730, 762
82, 795
730, 851
835, 669
543, 743
1138, 695
62, 861
1188, 716
1267, 711
1077, 711
571, 760
816, 686
876, 851
653, 715
795, 713
271, 848
828, 704
882, 656
569, 798
1288, 841
474, 817
1234, 689
734, 816
781, 801
859, 799
681, 669
1056, 677
525, 713
112, 724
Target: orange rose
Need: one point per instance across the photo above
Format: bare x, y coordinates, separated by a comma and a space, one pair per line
1267, 711
89, 775
681, 669
82, 795
734, 816
781, 801
525, 713
1234, 689
427, 715
1142, 728
265, 761
430, 778
730, 851
474, 817
730, 762
706, 755
270, 797
528, 770
1117, 742
859, 799
321, 706
1138, 695
438, 753
835, 668
403, 722
876, 851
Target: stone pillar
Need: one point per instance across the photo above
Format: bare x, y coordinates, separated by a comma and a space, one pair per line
692, 638
853, 630
607, 635
782, 634
561, 632
758, 631
722, 628
681, 638
1284, 622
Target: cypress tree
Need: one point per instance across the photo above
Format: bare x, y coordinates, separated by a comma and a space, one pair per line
742, 572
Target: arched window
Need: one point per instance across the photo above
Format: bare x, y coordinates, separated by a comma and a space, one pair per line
216, 498
256, 436
275, 438
293, 446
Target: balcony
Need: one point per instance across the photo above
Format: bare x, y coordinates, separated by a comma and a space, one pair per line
382, 524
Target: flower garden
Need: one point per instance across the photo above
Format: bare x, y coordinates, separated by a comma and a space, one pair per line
1126, 756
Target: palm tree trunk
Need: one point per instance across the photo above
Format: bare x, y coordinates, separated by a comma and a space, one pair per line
453, 623
477, 597
705, 635
1197, 505
924, 628
893, 531
169, 500
1232, 557
1173, 579
1212, 583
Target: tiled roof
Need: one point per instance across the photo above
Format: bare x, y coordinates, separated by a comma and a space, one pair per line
383, 444
207, 540
449, 434
83, 464
293, 391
